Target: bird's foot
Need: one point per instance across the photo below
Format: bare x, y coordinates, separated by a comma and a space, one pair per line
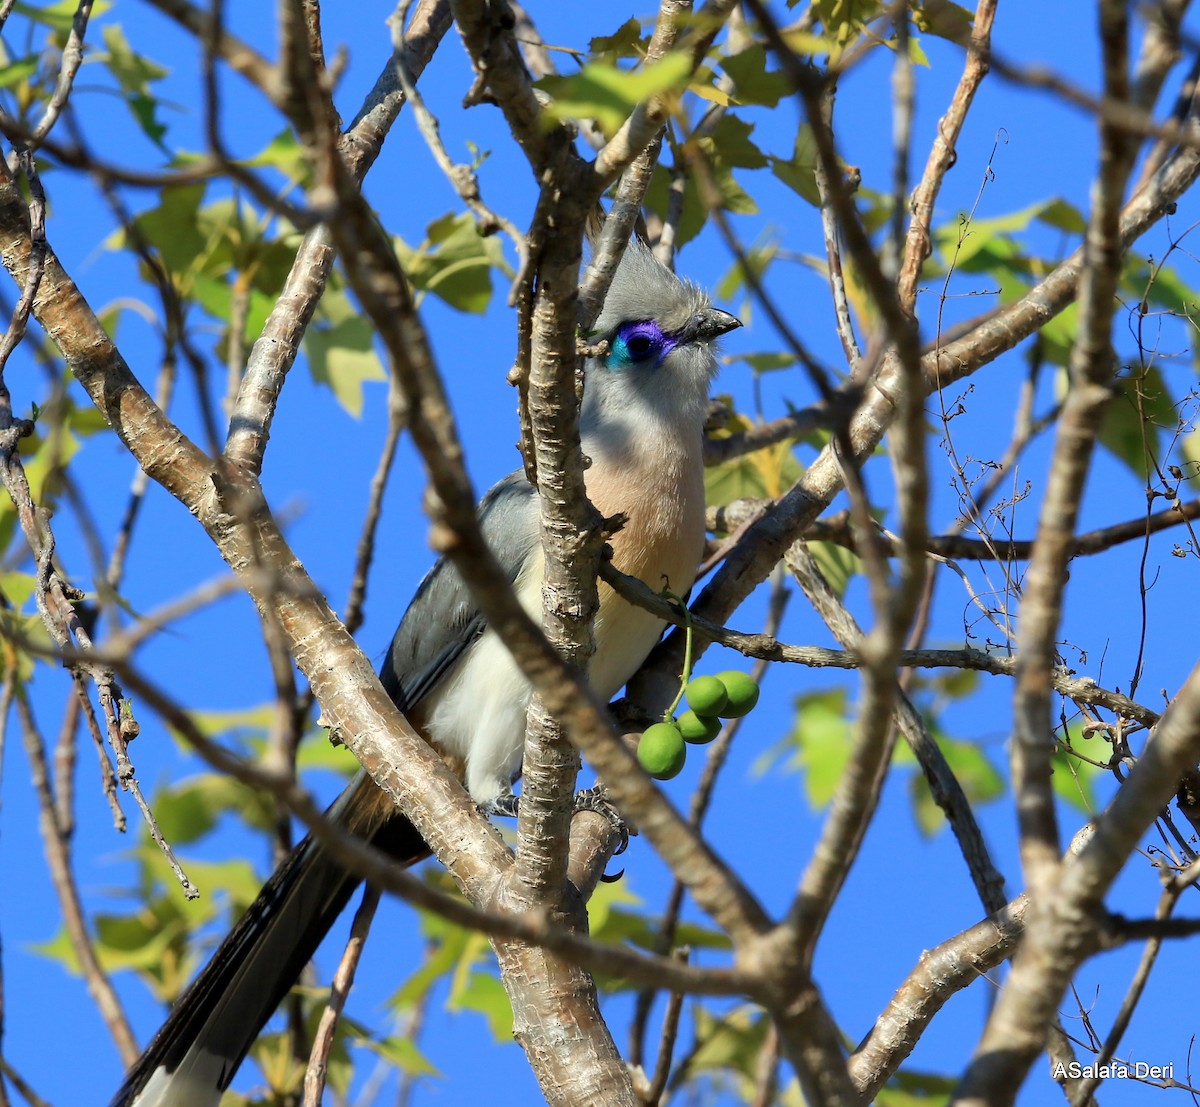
596, 799
505, 806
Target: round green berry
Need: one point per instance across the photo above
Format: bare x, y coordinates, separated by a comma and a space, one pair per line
741, 691
706, 695
698, 729
661, 750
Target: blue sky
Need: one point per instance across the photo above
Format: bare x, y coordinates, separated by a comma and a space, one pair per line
908, 892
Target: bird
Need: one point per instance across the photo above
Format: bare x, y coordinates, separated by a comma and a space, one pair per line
641, 424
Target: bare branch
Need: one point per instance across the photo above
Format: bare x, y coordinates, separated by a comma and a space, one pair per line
339, 990
58, 855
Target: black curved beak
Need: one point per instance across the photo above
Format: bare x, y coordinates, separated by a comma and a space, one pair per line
713, 323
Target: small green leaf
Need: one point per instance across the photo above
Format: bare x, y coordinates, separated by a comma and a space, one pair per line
187, 811
605, 905
732, 1042
484, 994
1074, 780
284, 153
1135, 419
134, 74
845, 20
625, 42
758, 258
819, 744
17, 588
980, 781
241, 723
215, 296
608, 94
1066, 217
731, 138
343, 357
837, 564
754, 83
454, 262
799, 171
401, 1053
60, 16
945, 20
14, 72
768, 363
172, 228
916, 1089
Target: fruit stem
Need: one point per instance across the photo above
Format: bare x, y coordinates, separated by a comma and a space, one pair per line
687, 658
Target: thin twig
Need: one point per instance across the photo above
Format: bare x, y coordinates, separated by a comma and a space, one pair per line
58, 856
339, 991
23, 1088
763, 646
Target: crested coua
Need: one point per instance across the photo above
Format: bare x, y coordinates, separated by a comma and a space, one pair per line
641, 424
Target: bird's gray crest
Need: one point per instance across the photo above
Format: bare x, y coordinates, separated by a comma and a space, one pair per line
644, 288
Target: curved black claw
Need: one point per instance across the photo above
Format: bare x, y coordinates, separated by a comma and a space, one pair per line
505, 806
596, 799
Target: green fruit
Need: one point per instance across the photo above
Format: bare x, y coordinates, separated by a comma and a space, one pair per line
741, 691
661, 750
706, 695
697, 729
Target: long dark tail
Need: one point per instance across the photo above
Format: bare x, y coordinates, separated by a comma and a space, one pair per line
194, 1055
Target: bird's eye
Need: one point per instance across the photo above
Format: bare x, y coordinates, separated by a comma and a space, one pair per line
639, 346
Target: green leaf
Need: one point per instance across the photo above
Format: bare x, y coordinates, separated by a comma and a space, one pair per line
607, 94
134, 74
453, 953
241, 723
14, 72
731, 138
819, 744
173, 228
1066, 217
60, 16
46, 459
454, 262
1135, 419
1056, 339
484, 994
284, 153
733, 1042
17, 588
845, 20
637, 928
754, 83
14, 627
343, 357
980, 781
945, 20
187, 811
401, 1053
768, 363
604, 908
758, 258
961, 240
837, 564
799, 171
1074, 780
916, 1089
215, 296
120, 942
625, 42
765, 473
317, 752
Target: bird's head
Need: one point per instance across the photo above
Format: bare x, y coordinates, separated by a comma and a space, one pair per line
660, 332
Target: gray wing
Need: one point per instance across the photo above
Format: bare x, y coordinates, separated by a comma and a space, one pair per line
443, 620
